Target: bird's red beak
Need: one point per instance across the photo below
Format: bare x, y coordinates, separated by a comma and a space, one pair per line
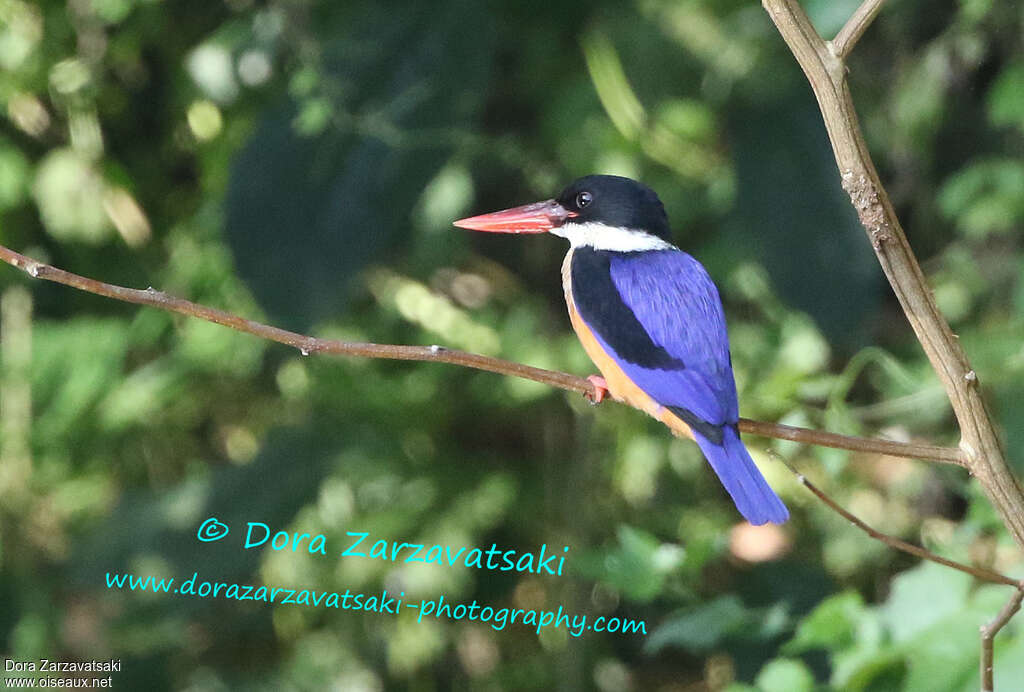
539, 217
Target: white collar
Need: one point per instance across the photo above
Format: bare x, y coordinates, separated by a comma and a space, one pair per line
603, 237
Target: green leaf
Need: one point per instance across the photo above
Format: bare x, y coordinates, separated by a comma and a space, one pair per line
69, 192
701, 628
322, 188
1006, 97
923, 596
14, 174
986, 197
832, 625
948, 649
785, 675
75, 363
638, 566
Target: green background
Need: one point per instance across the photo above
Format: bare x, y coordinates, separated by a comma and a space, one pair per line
300, 162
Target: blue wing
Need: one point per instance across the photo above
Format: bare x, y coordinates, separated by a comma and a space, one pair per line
678, 307
659, 315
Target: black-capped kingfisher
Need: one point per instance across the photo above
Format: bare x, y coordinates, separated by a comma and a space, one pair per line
650, 318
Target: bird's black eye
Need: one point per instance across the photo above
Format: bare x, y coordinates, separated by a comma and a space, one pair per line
583, 199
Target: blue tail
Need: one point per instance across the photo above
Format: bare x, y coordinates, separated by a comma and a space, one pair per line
753, 497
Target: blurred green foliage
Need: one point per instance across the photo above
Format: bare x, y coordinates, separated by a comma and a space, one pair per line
300, 161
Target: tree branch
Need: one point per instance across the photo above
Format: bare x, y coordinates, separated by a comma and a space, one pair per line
824, 65
988, 633
439, 354
826, 72
820, 438
855, 27
896, 543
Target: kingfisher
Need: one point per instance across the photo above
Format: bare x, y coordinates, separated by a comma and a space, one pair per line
650, 318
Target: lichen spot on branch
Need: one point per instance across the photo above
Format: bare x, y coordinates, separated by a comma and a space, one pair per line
864, 198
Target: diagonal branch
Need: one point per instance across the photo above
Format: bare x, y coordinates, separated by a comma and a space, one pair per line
826, 72
438, 354
823, 64
988, 631
855, 27
896, 543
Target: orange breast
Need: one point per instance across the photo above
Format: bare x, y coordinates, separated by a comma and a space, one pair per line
619, 385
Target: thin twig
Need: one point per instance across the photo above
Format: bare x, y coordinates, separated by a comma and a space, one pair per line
892, 541
308, 344
988, 633
820, 438
305, 344
858, 23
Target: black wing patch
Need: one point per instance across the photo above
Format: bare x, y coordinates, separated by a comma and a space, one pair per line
601, 306
712, 432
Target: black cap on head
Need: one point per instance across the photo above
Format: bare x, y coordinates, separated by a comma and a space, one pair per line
616, 201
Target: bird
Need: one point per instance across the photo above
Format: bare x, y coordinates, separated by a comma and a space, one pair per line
650, 318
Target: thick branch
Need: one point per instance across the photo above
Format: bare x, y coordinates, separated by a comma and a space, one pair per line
438, 354
823, 64
826, 72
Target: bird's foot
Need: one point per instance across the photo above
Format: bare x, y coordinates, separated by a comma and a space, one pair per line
600, 389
